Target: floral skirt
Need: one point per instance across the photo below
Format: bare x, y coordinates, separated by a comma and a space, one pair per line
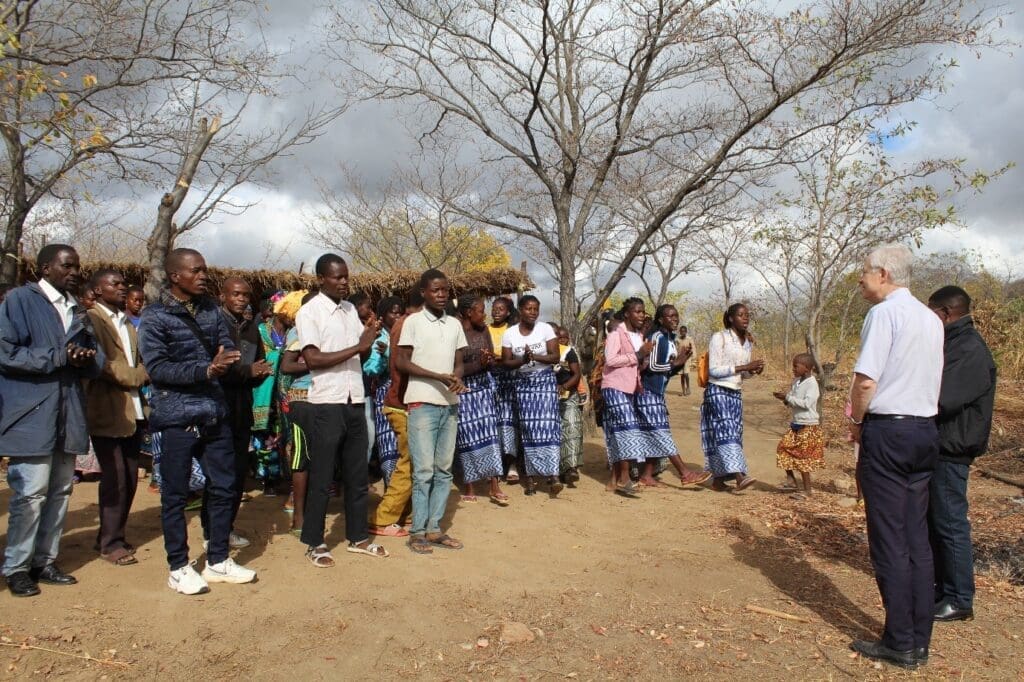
801, 449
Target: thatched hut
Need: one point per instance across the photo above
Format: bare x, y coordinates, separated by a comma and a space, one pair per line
487, 283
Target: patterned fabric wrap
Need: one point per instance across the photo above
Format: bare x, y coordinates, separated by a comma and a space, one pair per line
387, 441
540, 426
152, 444
504, 395
801, 449
622, 435
652, 414
572, 431
721, 431
476, 441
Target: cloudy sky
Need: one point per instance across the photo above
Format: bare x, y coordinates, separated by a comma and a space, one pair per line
978, 118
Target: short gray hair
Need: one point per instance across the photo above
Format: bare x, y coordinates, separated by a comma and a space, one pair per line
896, 259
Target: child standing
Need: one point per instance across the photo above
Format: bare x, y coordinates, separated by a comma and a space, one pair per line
803, 447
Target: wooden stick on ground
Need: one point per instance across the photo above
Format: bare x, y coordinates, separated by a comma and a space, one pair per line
1000, 477
103, 661
777, 614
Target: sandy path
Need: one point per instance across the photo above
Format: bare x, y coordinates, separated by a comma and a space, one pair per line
651, 588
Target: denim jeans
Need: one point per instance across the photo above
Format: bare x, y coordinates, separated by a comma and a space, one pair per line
41, 489
212, 447
950, 533
432, 430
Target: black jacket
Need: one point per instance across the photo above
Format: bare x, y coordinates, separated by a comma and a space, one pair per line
238, 382
968, 392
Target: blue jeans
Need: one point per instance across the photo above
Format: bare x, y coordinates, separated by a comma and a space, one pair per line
950, 533
41, 490
432, 430
212, 447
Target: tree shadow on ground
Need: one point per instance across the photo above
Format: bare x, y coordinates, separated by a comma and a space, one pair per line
790, 572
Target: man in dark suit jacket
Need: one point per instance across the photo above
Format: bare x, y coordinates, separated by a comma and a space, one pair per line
115, 414
964, 421
46, 348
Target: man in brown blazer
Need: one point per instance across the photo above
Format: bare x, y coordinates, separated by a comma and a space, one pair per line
115, 414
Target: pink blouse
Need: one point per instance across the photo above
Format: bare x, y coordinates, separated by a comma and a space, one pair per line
621, 368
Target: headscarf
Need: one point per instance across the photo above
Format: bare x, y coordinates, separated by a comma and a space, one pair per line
288, 304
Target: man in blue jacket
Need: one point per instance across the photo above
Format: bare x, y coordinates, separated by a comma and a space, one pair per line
186, 348
46, 348
965, 421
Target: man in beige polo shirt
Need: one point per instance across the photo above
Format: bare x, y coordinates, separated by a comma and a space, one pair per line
428, 352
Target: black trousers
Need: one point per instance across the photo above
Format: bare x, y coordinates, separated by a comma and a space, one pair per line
897, 458
336, 435
119, 477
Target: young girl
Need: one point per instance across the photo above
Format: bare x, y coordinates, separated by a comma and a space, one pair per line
625, 351
531, 349
663, 363
570, 405
803, 447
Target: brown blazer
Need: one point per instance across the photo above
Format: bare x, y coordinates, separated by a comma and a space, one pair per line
108, 404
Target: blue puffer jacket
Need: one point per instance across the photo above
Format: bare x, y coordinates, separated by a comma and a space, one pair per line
177, 360
42, 402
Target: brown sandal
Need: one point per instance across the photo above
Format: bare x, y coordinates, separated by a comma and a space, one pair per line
443, 540
120, 557
420, 545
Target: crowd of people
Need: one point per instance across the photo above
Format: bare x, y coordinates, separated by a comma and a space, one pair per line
313, 394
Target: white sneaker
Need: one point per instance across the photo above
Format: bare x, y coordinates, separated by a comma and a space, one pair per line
186, 581
228, 571
235, 541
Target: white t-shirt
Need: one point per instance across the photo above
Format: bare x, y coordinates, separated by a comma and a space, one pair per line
635, 338
536, 340
434, 342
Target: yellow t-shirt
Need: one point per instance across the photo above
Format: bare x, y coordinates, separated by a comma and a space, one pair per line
496, 334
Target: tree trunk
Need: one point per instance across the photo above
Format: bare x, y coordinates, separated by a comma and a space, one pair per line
567, 302
12, 240
161, 240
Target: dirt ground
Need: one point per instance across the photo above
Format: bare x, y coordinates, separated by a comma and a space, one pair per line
656, 588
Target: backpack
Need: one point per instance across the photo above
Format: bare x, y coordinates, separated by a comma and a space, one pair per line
703, 374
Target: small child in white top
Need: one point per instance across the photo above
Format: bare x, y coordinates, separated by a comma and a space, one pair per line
803, 447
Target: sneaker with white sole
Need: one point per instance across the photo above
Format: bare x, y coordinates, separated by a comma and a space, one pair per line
235, 541
228, 571
185, 580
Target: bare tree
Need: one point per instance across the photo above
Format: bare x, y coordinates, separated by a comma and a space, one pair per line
561, 94
86, 87
849, 199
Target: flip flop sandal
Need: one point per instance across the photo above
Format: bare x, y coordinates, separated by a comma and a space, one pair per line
501, 500
787, 488
555, 487
122, 558
629, 491
297, 532
320, 557
445, 541
746, 483
469, 498
374, 550
420, 546
391, 531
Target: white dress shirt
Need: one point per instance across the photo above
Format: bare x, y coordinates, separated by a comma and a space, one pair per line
64, 304
332, 327
121, 324
901, 350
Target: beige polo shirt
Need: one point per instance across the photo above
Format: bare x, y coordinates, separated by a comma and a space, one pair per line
332, 327
434, 341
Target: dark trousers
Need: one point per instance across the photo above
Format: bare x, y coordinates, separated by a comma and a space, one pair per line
211, 446
895, 466
951, 535
337, 435
119, 477
240, 440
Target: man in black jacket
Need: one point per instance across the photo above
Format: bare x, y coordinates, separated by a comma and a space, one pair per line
238, 382
964, 421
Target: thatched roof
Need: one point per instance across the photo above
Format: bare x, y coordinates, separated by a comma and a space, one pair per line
492, 282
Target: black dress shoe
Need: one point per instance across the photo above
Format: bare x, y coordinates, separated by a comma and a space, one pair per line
921, 654
51, 575
21, 584
879, 652
945, 612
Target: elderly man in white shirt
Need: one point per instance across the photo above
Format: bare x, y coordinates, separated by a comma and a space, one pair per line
895, 398
331, 341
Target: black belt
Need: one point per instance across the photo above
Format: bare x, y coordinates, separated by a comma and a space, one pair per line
893, 417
